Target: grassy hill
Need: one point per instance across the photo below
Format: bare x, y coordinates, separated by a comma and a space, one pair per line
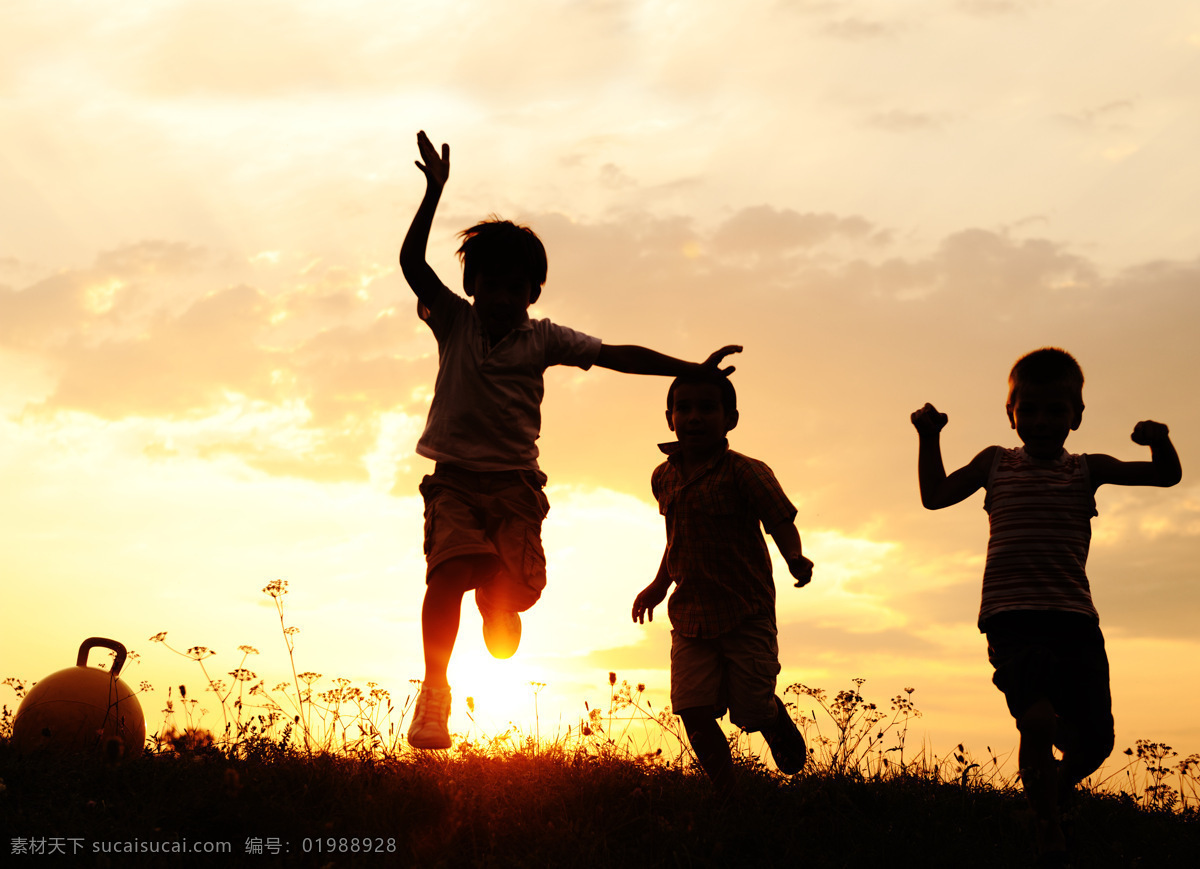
535, 808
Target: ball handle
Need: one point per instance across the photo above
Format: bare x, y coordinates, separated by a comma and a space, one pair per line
102, 643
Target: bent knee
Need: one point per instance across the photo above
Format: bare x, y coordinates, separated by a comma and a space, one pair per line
1089, 754
1039, 719
697, 716
464, 572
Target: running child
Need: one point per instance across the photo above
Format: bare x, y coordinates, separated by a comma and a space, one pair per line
724, 646
1043, 633
484, 502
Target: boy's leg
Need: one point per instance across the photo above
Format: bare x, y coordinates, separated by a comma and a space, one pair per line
441, 610
440, 614
1022, 660
787, 743
1085, 707
515, 506
698, 695
711, 747
752, 661
1040, 772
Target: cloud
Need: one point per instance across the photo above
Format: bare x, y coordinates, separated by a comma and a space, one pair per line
778, 232
138, 335
1111, 116
652, 651
901, 121
996, 8
856, 29
315, 349
95, 300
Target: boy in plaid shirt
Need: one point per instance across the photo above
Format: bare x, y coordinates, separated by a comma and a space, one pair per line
724, 648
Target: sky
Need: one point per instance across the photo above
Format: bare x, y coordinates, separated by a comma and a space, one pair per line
212, 375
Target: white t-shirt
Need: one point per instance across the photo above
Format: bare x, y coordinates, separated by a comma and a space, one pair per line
486, 413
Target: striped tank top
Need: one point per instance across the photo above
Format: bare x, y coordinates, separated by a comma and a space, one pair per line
1041, 526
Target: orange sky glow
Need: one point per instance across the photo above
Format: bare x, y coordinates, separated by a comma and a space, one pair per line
212, 375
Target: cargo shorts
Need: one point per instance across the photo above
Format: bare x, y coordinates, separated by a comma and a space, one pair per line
735, 671
489, 513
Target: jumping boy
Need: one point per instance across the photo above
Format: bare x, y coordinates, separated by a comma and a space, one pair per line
1043, 632
484, 503
724, 649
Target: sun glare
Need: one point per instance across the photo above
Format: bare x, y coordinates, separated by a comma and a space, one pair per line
501, 691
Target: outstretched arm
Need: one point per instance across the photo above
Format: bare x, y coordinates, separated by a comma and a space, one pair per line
787, 538
632, 359
652, 595
423, 280
938, 489
1163, 469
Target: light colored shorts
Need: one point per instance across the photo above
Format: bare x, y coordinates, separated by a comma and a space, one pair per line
735, 672
490, 513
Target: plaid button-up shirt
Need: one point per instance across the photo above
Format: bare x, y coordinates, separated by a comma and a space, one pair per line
716, 554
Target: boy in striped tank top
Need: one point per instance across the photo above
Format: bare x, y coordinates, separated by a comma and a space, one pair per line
1043, 632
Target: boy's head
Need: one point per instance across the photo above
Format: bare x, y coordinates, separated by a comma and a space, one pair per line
498, 247
701, 409
1045, 399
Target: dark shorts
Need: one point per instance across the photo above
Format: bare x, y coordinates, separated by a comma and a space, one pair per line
1059, 657
489, 513
735, 672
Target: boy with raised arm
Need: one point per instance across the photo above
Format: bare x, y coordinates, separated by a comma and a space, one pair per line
484, 503
1043, 632
724, 647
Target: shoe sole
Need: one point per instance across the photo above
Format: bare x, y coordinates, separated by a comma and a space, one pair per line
429, 744
502, 640
789, 730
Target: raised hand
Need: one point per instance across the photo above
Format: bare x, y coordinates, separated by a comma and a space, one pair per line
927, 420
714, 360
436, 166
1147, 432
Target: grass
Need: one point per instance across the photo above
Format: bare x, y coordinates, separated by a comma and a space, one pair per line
299, 776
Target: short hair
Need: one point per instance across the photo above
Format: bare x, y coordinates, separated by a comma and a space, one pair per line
1048, 366
713, 378
496, 245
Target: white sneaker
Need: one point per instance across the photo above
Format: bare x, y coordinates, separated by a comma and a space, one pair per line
431, 716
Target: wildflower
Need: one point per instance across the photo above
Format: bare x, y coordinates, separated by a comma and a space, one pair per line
242, 675
612, 678
248, 650
276, 588
309, 677
199, 653
159, 637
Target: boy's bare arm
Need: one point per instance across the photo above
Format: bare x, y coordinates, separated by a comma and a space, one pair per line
652, 595
787, 538
1163, 469
938, 489
632, 359
423, 280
